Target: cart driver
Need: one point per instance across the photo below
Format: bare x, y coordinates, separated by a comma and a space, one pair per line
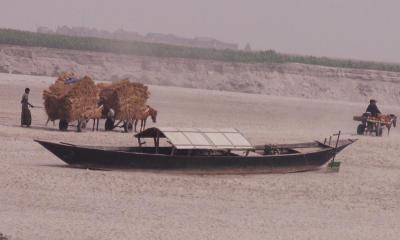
110, 120
373, 109
111, 114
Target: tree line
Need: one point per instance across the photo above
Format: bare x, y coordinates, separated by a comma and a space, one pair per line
33, 39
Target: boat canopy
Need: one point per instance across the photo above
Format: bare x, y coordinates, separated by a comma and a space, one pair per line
199, 138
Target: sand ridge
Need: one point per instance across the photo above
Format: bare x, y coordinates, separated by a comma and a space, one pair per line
288, 80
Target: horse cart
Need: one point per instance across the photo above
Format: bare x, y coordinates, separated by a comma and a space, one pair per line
122, 101
81, 121
374, 125
72, 101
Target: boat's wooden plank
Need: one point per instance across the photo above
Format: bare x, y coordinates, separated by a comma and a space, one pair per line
293, 145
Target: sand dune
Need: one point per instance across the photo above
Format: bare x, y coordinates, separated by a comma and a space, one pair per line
40, 198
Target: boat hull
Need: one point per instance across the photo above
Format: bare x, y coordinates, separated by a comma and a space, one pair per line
124, 158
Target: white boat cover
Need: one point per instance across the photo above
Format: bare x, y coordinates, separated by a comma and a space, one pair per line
199, 138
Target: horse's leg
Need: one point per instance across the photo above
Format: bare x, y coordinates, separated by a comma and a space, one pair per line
144, 123
97, 126
388, 127
48, 120
135, 123
94, 121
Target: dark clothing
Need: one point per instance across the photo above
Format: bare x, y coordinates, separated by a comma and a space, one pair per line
26, 118
373, 109
25, 99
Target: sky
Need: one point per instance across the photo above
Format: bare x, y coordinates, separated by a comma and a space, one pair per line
356, 29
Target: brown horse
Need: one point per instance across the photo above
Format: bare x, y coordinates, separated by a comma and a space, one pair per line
143, 115
375, 123
388, 121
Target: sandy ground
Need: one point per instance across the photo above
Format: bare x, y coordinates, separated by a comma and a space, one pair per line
41, 198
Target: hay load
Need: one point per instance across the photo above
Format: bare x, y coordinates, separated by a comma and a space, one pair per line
70, 99
124, 97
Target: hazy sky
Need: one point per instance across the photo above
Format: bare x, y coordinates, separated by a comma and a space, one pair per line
360, 29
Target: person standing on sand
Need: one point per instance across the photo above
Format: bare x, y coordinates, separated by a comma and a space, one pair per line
372, 108
26, 118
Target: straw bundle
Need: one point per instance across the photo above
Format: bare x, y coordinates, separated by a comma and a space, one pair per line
125, 97
71, 101
94, 113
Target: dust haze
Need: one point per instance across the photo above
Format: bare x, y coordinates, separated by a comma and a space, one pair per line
42, 198
357, 29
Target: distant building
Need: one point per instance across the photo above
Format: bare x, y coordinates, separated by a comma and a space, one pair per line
120, 34
44, 30
247, 48
200, 42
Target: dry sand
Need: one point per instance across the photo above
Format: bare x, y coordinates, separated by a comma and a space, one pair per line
41, 198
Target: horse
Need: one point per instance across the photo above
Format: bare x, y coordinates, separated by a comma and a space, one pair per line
95, 120
388, 120
384, 120
97, 114
143, 115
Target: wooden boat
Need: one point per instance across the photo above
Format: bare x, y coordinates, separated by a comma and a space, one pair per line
199, 149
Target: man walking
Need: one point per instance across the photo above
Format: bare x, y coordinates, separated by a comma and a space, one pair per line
26, 118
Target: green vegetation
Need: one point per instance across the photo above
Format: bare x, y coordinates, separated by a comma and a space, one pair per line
24, 38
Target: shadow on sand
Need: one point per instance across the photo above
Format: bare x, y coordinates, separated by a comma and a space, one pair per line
74, 167
197, 172
45, 128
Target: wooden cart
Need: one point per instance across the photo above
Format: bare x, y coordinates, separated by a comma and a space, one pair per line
73, 101
369, 125
125, 99
82, 120
126, 124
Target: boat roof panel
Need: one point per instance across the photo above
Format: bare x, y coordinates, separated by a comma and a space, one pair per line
178, 138
218, 139
199, 138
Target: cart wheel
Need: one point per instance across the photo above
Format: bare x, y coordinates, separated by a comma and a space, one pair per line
83, 124
109, 125
63, 125
361, 129
128, 126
